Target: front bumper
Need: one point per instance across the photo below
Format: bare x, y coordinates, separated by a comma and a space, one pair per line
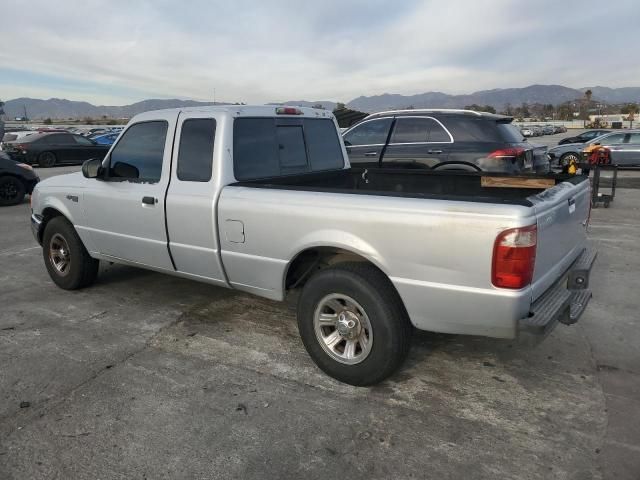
36, 227
564, 302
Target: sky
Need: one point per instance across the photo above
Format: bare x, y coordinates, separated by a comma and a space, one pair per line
119, 52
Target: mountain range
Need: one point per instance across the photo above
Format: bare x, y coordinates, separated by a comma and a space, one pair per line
57, 108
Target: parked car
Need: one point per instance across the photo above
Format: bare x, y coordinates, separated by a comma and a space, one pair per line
548, 130
527, 131
537, 130
16, 180
13, 136
623, 143
106, 139
625, 153
439, 140
263, 200
584, 137
49, 149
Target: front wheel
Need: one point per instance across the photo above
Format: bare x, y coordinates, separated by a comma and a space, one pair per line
69, 264
353, 323
12, 191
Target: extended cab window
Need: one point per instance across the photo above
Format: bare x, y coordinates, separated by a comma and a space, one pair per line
372, 132
195, 154
138, 155
266, 147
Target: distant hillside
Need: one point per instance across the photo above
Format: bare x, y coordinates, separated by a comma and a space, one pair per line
555, 94
497, 98
61, 108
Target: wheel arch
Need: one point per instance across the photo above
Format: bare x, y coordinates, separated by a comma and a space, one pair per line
317, 257
458, 165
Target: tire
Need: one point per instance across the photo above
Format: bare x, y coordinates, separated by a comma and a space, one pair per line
81, 270
367, 305
47, 159
12, 191
566, 158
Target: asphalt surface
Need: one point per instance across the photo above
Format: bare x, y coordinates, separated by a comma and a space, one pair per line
149, 376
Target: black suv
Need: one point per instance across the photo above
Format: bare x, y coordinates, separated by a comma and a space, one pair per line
443, 139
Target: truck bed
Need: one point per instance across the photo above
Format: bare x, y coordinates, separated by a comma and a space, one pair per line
444, 185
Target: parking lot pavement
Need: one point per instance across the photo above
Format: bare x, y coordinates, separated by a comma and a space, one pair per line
149, 376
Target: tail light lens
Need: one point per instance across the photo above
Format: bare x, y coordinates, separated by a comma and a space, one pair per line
507, 153
514, 256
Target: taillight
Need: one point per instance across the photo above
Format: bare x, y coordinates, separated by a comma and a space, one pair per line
507, 153
288, 111
514, 256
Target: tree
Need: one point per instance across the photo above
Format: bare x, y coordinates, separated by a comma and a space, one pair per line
587, 95
631, 110
47, 121
508, 110
1, 109
340, 106
524, 110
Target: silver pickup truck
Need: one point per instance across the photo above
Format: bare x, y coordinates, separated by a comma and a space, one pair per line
263, 200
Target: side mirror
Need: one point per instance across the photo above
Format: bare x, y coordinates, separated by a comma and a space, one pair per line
92, 168
597, 143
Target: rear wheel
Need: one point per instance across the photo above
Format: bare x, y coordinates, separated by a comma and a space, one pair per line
353, 323
69, 264
47, 159
12, 191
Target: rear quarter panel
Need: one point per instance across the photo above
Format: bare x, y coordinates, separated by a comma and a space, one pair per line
436, 253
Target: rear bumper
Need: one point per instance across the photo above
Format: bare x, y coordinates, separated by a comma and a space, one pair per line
564, 302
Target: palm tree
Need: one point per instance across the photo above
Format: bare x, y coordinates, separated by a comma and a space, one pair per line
588, 94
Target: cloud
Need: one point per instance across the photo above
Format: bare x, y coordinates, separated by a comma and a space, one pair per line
257, 51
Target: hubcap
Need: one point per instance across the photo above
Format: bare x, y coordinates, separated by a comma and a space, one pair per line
343, 329
59, 255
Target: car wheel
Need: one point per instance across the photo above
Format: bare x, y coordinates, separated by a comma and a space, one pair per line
353, 323
69, 264
12, 191
47, 159
567, 158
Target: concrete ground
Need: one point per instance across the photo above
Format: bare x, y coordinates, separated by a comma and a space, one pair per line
149, 376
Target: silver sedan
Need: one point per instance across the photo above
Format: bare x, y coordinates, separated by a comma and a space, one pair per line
624, 146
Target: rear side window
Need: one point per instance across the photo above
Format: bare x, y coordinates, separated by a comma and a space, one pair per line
264, 147
195, 154
138, 155
81, 140
411, 130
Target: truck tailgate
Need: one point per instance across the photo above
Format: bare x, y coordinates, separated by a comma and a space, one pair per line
562, 213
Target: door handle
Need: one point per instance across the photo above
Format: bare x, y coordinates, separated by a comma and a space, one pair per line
149, 200
434, 151
371, 154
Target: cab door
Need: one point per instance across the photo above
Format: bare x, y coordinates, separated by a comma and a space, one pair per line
365, 141
126, 207
191, 206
